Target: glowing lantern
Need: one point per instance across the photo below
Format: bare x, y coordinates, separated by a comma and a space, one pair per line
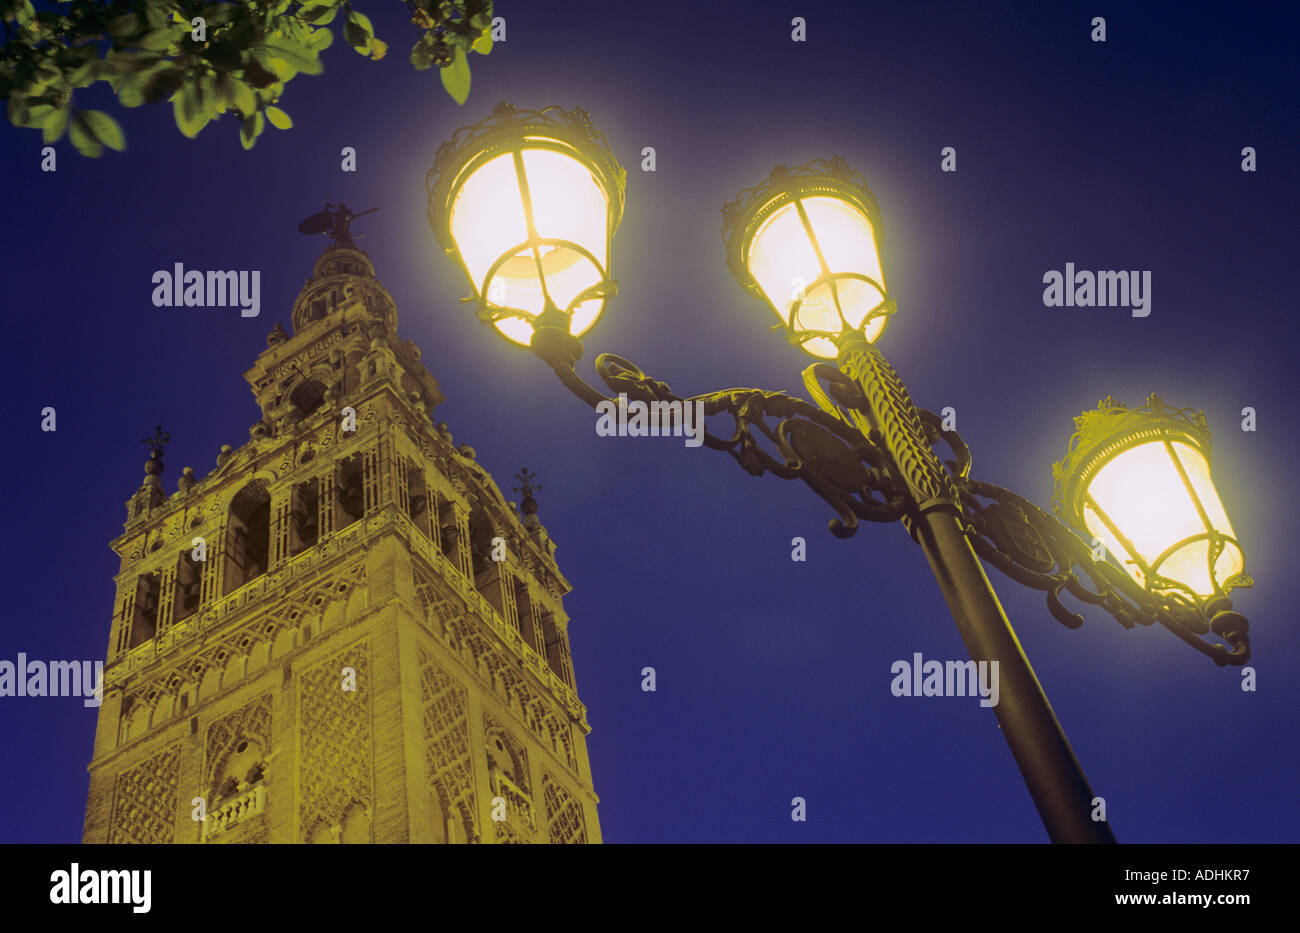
528, 202
1139, 481
807, 241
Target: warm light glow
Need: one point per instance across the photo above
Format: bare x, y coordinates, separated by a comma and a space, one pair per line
487, 216
819, 269
1156, 509
546, 237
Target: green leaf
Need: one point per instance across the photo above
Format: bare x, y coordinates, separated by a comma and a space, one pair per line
217, 13
55, 124
128, 24
319, 15
243, 98
38, 115
356, 37
47, 73
279, 119
361, 20
83, 138
130, 91
87, 74
77, 54
183, 109
104, 128
483, 44
251, 129
223, 55
155, 15
282, 69
223, 89
455, 77
318, 40
295, 54
160, 39
422, 53
23, 113
129, 63
258, 76
26, 13
164, 83
189, 109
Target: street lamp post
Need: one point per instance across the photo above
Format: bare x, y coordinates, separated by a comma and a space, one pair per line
528, 201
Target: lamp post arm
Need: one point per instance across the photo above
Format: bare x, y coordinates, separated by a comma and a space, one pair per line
579, 386
810, 444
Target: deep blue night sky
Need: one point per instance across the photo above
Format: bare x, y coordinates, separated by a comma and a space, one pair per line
773, 676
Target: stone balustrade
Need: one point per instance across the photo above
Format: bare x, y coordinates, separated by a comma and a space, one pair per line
245, 806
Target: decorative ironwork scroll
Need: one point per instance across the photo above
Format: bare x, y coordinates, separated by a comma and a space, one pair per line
823, 446
829, 455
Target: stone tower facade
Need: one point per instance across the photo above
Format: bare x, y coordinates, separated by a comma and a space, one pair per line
343, 633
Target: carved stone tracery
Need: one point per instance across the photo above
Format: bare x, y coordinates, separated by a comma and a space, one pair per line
144, 800
446, 743
335, 752
483, 654
563, 814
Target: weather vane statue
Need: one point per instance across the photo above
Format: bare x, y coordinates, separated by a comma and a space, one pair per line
336, 221
157, 446
158, 443
526, 488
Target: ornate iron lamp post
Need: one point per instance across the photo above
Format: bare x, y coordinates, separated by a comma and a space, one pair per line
528, 201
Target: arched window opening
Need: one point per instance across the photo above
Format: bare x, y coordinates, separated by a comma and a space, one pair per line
242, 768
304, 516
349, 487
447, 529
144, 617
527, 621
189, 586
248, 535
307, 397
417, 498
508, 776
557, 650
487, 572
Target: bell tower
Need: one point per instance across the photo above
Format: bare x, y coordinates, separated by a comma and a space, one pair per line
344, 632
